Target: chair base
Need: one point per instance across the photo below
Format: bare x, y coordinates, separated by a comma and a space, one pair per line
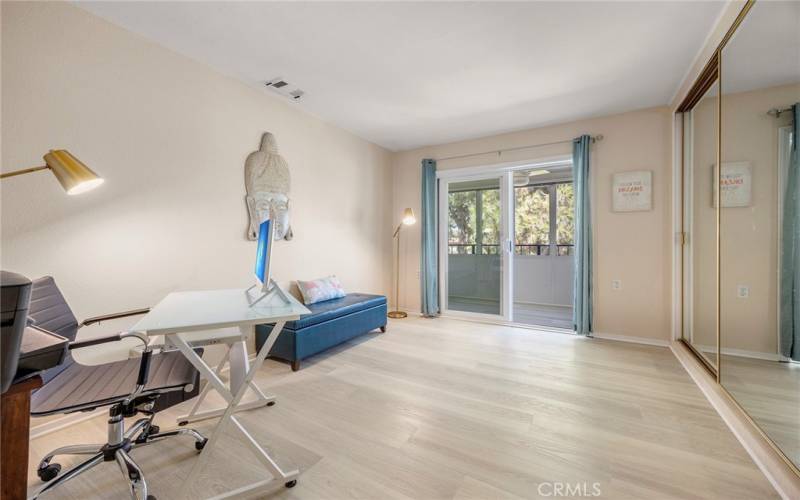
142, 433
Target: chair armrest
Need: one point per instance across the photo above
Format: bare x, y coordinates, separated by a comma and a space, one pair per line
111, 338
107, 317
91, 342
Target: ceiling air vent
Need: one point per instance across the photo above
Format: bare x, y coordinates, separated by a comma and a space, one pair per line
285, 88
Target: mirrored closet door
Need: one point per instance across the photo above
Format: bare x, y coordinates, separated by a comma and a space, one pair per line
759, 247
741, 219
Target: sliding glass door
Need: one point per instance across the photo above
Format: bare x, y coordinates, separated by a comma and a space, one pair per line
543, 258
474, 239
506, 244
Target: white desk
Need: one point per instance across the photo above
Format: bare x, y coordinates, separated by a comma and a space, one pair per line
181, 314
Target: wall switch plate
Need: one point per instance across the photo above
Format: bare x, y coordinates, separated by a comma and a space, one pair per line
616, 284
742, 291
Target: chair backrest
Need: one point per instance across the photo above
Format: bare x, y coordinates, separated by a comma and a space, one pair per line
50, 311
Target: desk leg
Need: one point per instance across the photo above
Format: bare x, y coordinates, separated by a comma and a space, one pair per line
16, 418
239, 366
238, 359
233, 402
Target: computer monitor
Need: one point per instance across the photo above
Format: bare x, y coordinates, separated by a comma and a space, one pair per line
263, 264
263, 254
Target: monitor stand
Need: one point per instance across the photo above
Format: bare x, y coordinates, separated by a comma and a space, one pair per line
269, 290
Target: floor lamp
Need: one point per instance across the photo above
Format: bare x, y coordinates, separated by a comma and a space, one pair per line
74, 176
408, 219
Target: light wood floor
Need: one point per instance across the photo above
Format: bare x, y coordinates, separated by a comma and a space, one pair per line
770, 393
447, 409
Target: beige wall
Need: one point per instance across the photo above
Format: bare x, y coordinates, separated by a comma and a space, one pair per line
170, 136
632, 247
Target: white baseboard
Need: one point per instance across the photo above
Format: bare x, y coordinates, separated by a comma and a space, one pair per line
771, 463
742, 353
631, 339
63, 422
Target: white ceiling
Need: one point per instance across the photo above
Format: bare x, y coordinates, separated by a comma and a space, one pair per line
405, 75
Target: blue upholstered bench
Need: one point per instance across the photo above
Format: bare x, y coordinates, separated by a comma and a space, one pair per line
330, 323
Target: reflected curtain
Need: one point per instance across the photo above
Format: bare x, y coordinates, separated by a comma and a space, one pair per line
582, 285
429, 271
790, 251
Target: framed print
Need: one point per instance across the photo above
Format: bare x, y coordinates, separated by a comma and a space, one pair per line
632, 191
736, 184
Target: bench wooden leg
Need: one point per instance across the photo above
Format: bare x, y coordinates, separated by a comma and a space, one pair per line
295, 365
383, 329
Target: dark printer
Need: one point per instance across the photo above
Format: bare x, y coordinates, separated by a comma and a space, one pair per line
24, 349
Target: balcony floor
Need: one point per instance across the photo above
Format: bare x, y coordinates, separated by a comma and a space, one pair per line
529, 314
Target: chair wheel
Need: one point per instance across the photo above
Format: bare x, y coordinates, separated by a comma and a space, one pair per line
291, 484
199, 445
151, 497
271, 403
154, 429
183, 422
48, 473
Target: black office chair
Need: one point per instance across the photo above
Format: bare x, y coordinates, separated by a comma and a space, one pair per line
129, 387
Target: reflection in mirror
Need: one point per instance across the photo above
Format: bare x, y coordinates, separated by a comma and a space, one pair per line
700, 226
760, 221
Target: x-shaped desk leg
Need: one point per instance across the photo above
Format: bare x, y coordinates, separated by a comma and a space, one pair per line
233, 401
194, 415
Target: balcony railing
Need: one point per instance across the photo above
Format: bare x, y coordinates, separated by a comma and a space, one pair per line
519, 249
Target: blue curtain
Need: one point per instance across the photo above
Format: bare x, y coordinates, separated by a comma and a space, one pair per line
429, 272
790, 251
582, 302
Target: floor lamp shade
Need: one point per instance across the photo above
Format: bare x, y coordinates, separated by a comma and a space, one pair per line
72, 174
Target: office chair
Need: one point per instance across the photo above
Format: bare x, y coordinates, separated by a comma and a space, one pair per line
128, 387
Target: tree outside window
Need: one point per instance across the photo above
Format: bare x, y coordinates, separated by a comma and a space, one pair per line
544, 220
490, 210
565, 218
532, 220
462, 222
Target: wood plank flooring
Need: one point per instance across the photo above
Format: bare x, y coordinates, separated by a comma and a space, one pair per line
769, 391
448, 409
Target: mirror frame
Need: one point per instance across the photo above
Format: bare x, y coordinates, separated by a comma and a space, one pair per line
709, 76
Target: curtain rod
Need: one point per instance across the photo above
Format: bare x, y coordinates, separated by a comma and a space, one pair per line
777, 112
595, 138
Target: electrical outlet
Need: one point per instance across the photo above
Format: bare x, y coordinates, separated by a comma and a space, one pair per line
417, 274
743, 291
616, 284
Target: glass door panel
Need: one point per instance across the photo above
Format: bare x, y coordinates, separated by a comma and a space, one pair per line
474, 275
543, 267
